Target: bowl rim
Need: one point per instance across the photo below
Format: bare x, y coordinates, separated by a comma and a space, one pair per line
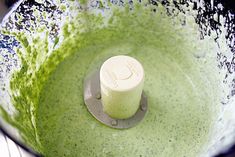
20, 144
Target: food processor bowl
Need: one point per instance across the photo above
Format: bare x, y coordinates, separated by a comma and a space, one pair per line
49, 24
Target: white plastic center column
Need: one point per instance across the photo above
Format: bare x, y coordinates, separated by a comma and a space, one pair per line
121, 81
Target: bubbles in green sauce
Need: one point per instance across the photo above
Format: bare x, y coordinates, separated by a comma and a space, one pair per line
179, 83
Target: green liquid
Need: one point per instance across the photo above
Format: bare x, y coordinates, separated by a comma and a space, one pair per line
180, 88
179, 114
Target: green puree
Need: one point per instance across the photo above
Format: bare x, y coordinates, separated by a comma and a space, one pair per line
179, 115
179, 83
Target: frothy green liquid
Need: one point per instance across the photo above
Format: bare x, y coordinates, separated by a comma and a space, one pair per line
179, 83
179, 115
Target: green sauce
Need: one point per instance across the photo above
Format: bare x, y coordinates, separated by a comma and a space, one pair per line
179, 83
